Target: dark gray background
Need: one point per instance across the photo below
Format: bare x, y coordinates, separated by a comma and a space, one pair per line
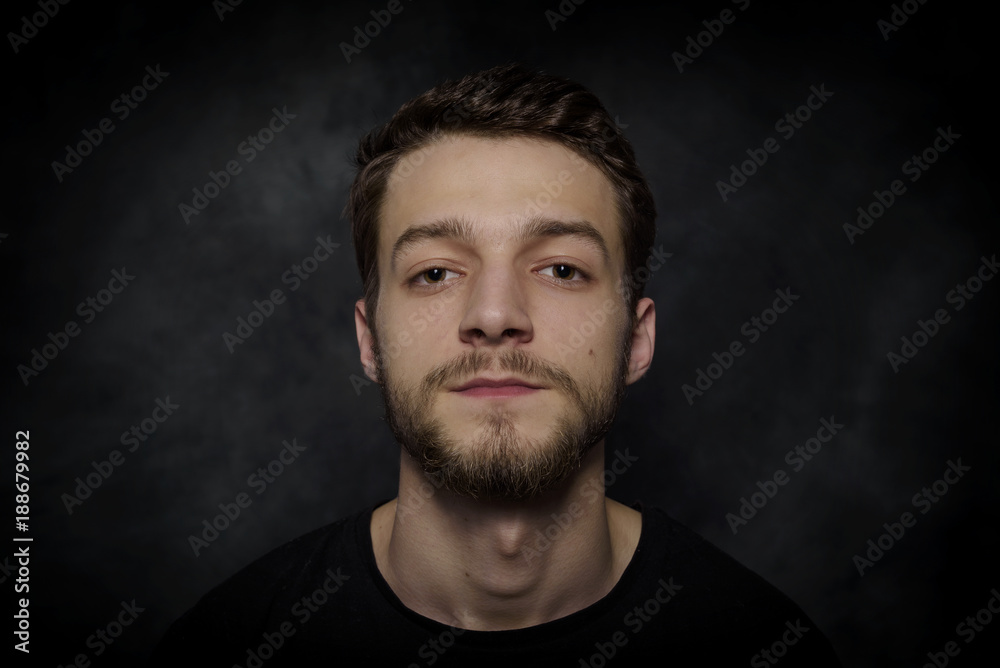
827, 356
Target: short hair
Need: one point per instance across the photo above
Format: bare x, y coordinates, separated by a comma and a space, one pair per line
505, 101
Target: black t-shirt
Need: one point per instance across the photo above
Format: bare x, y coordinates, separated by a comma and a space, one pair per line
320, 600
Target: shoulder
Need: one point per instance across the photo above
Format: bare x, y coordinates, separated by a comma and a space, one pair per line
292, 562
721, 580
234, 613
719, 597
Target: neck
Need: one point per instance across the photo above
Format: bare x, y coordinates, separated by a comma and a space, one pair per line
494, 565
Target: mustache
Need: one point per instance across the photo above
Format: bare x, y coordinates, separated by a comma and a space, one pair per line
511, 360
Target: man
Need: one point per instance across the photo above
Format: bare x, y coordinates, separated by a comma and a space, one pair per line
499, 223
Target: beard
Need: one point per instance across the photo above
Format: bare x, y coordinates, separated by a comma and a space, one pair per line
501, 463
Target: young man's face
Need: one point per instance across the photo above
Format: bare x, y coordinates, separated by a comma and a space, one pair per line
500, 265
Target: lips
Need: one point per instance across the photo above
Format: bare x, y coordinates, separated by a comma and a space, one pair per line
497, 387
498, 382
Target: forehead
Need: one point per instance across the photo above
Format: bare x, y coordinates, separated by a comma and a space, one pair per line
499, 185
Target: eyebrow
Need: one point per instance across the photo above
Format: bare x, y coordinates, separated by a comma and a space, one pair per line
536, 228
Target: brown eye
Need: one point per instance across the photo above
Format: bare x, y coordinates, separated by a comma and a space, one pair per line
563, 271
435, 275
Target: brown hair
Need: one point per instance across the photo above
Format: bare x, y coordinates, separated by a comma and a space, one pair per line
501, 102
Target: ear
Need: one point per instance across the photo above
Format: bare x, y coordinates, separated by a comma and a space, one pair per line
643, 340
365, 340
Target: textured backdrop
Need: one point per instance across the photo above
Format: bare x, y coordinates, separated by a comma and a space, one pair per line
893, 117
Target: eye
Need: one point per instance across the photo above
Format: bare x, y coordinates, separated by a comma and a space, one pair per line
432, 276
563, 272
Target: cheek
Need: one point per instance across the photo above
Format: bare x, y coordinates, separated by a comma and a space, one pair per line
414, 338
590, 339
416, 316
394, 348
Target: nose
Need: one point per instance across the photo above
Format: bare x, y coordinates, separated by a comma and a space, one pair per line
497, 310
